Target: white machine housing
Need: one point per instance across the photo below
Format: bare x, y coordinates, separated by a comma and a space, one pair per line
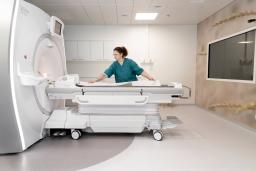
36, 55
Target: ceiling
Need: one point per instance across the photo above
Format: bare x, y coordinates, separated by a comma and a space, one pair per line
80, 12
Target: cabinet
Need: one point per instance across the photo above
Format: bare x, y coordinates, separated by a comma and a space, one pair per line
71, 50
97, 50
108, 50
83, 50
89, 50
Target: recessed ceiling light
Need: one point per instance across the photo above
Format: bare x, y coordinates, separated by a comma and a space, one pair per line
146, 16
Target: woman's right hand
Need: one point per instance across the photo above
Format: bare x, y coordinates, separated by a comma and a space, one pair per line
99, 78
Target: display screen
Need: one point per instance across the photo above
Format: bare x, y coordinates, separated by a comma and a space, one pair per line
57, 28
232, 58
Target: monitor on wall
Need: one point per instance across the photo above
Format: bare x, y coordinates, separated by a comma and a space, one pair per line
233, 58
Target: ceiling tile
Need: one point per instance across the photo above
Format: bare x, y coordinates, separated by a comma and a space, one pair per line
94, 13
123, 11
124, 2
109, 13
56, 2
107, 2
90, 2
59, 11
79, 15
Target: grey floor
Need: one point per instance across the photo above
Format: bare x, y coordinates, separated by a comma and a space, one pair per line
204, 142
65, 154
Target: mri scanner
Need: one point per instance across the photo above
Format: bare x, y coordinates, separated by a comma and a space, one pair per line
38, 86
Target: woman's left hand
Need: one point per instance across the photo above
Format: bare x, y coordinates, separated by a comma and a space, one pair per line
146, 75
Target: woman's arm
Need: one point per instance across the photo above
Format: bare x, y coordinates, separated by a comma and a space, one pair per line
146, 75
107, 74
99, 78
140, 71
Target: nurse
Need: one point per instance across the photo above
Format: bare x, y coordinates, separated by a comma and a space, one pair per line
124, 69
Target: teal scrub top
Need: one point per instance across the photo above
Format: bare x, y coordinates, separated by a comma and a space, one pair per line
126, 72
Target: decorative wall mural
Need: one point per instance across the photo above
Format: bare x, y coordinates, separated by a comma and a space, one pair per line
237, 107
235, 16
232, 100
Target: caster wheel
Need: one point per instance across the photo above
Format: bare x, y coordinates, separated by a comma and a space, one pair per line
80, 133
158, 135
76, 134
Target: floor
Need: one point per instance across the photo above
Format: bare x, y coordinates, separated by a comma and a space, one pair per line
204, 142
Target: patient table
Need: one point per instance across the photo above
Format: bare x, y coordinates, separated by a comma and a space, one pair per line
114, 108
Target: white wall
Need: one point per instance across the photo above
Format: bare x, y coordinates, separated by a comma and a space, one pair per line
172, 50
